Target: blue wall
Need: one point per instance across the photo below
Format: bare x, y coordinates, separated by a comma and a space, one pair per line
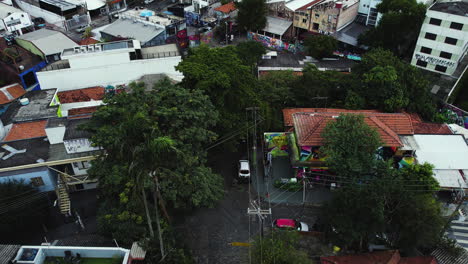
34, 69
48, 177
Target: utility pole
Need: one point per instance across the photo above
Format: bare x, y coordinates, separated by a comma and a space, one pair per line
255, 209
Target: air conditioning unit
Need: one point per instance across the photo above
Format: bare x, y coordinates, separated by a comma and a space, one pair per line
83, 49
97, 48
76, 49
90, 48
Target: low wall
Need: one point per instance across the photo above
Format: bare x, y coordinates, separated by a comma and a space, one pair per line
273, 43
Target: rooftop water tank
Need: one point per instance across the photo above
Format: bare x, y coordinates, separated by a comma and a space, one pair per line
24, 101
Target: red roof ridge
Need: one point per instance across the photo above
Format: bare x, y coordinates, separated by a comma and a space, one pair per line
385, 128
227, 8
26, 130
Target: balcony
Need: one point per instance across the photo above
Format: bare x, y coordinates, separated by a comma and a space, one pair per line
82, 255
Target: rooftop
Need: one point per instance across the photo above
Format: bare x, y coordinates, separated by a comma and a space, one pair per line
84, 111
151, 17
11, 92
58, 152
56, 122
288, 113
309, 126
350, 33
26, 130
23, 152
378, 257
100, 47
227, 8
459, 8
49, 41
5, 10
284, 60
277, 26
63, 5
88, 41
22, 57
38, 107
73, 131
7, 253
443, 151
142, 31
300, 4
81, 95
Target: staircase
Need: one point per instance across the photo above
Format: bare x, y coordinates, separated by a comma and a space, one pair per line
63, 197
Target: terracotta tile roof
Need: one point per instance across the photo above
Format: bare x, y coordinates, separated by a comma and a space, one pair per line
288, 112
11, 92
88, 41
421, 127
309, 126
27, 130
81, 95
227, 8
380, 257
84, 111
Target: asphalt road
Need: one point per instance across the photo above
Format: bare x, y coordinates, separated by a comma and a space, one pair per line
210, 230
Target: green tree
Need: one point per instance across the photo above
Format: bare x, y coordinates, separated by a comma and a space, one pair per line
398, 28
278, 247
250, 52
140, 157
221, 74
350, 146
320, 46
87, 33
252, 14
396, 207
391, 84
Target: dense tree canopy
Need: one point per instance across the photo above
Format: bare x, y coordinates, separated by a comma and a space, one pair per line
397, 208
154, 143
320, 46
398, 29
350, 146
252, 14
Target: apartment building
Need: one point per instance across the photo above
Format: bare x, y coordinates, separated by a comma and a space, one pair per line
443, 39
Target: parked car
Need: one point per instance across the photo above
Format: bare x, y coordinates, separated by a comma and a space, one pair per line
290, 224
244, 170
81, 28
39, 22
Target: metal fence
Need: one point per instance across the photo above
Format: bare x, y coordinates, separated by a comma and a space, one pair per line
57, 66
160, 55
77, 21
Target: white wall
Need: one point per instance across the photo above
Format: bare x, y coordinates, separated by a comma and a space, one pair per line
83, 170
78, 145
98, 59
66, 107
71, 79
55, 134
23, 17
35, 11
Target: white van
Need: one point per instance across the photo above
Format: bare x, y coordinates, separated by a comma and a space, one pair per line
244, 170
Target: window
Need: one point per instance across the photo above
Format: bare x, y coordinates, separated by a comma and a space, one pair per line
304, 20
445, 55
296, 18
315, 26
426, 50
317, 15
430, 36
440, 68
451, 41
435, 21
456, 25
421, 63
82, 165
37, 181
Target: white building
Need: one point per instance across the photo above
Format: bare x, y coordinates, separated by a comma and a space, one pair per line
443, 39
112, 63
13, 20
368, 10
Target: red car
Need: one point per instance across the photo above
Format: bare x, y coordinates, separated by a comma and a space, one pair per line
290, 224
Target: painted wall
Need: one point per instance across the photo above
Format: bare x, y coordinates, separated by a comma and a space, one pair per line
276, 143
347, 15
30, 47
301, 19
35, 11
78, 145
55, 134
115, 74
16, 21
273, 43
66, 107
48, 177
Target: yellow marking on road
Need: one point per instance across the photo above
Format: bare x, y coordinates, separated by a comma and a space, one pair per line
240, 244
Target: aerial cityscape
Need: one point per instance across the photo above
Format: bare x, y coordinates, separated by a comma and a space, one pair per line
234, 131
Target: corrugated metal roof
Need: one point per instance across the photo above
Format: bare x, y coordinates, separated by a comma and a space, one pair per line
443, 257
277, 26
8, 253
129, 29
49, 41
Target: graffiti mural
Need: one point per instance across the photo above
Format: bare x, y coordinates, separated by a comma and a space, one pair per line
276, 143
273, 43
206, 37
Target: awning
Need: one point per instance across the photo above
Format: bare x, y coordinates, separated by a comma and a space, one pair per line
451, 178
94, 4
